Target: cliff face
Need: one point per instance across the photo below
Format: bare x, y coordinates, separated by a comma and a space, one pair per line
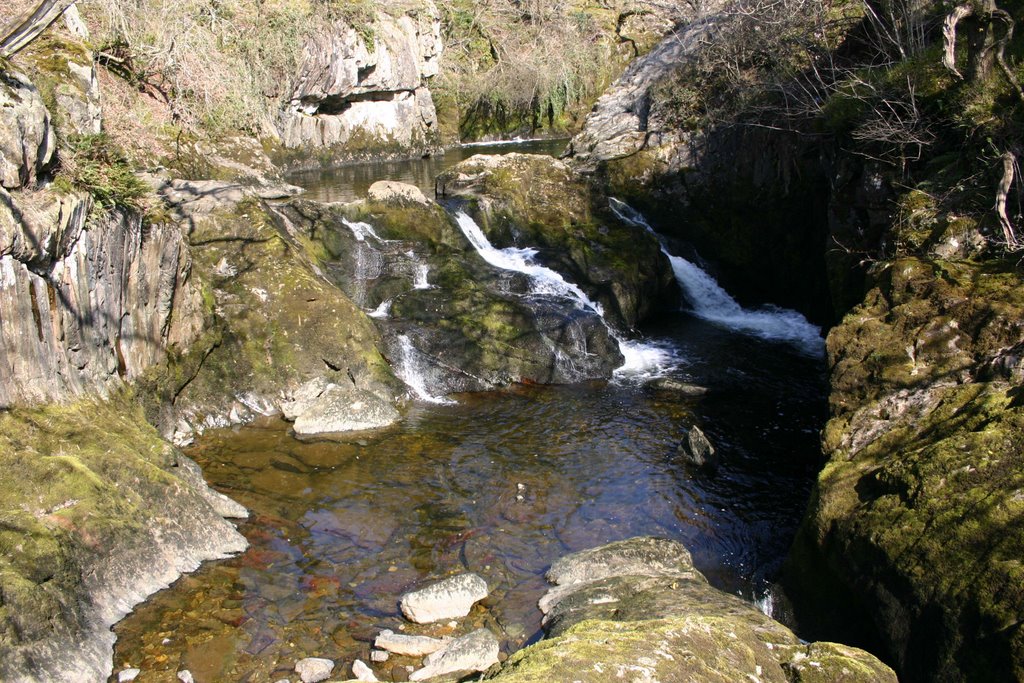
88, 303
362, 92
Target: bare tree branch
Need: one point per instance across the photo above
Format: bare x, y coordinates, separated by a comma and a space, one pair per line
959, 13
1009, 169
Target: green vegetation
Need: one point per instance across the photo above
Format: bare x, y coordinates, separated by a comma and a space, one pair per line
519, 68
93, 163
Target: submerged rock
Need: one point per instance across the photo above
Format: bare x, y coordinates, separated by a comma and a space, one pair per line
698, 449
413, 646
639, 610
451, 598
476, 651
314, 669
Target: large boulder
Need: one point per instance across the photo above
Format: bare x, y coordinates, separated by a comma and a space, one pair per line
639, 610
27, 139
450, 321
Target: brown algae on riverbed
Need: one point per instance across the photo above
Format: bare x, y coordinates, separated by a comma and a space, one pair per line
500, 484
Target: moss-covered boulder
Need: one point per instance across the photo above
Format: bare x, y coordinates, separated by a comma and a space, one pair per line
918, 517
535, 201
639, 610
96, 513
276, 321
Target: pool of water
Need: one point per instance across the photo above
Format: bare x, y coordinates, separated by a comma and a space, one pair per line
501, 484
349, 183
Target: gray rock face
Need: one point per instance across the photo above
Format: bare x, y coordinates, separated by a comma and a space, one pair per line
354, 90
413, 646
314, 669
476, 651
621, 123
451, 598
87, 305
27, 139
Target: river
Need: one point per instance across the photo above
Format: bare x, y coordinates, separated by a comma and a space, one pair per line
501, 484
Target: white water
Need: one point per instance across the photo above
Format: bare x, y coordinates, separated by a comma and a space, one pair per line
496, 143
361, 230
709, 301
412, 371
642, 360
420, 274
382, 310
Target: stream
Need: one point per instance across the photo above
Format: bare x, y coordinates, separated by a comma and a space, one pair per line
499, 483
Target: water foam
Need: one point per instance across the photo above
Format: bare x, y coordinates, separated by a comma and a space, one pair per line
709, 301
642, 359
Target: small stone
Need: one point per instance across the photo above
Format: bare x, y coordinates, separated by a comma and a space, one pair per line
476, 651
314, 669
362, 672
399, 673
379, 656
451, 598
413, 646
185, 676
128, 675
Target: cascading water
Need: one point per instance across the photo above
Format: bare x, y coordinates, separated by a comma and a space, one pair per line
709, 301
642, 360
412, 371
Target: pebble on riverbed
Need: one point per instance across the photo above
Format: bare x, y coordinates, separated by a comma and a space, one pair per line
362, 672
128, 675
314, 669
451, 598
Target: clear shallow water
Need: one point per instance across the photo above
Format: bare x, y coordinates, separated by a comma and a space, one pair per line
341, 529
349, 183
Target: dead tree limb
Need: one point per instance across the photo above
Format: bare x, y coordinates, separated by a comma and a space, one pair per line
24, 29
1009, 169
959, 13
1001, 44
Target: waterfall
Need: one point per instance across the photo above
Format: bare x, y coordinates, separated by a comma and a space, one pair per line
709, 301
412, 370
361, 230
382, 310
641, 359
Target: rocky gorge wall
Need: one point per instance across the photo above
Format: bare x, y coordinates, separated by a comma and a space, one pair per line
912, 527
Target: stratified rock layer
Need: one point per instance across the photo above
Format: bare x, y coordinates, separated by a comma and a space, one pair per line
363, 89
